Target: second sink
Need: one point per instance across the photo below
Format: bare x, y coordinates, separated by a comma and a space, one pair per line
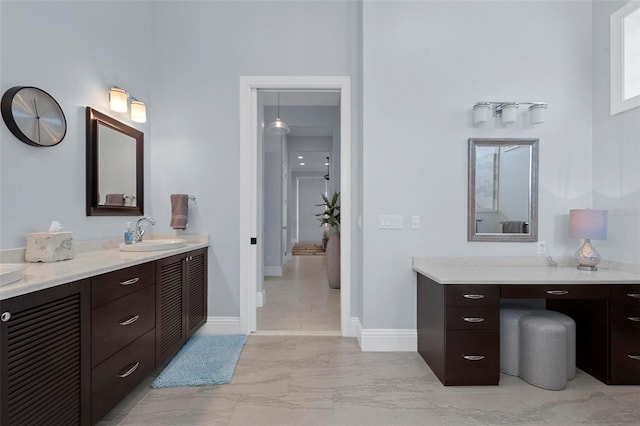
153, 245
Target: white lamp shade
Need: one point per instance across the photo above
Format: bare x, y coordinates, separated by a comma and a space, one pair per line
279, 127
536, 113
509, 113
588, 224
138, 111
118, 99
481, 113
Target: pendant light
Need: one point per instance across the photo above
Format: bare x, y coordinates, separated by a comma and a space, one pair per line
279, 127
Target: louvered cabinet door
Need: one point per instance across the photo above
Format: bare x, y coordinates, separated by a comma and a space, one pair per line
196, 290
44, 357
170, 299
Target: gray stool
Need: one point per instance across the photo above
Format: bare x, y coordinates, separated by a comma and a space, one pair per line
543, 341
570, 324
510, 315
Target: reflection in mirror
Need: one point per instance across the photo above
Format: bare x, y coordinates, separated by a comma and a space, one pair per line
503, 190
114, 167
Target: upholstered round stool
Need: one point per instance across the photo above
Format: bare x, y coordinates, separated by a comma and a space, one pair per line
570, 324
510, 315
543, 352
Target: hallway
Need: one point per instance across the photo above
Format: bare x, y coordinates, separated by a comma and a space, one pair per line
300, 301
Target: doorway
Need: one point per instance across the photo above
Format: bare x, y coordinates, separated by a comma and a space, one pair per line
250, 192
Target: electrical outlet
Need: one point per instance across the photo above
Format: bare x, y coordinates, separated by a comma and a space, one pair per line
542, 247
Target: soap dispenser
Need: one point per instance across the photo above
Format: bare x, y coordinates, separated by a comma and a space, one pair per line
128, 233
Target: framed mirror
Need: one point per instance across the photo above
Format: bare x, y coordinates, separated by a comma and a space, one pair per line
115, 184
503, 190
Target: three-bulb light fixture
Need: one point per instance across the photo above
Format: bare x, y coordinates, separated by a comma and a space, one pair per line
119, 101
507, 111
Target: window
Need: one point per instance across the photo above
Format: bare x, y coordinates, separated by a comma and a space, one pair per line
625, 58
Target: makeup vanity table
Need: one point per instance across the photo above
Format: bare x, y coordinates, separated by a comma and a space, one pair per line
458, 317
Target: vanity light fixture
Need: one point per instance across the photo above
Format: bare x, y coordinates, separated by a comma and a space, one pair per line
119, 101
507, 111
278, 126
588, 224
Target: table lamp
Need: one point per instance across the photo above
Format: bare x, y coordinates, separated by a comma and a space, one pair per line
588, 224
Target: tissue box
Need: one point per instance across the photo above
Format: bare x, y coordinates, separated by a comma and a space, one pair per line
49, 247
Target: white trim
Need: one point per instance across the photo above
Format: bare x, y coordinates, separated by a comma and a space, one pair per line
221, 325
248, 186
272, 271
260, 298
388, 340
618, 103
356, 330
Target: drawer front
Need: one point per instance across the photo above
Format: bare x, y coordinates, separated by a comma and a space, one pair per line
116, 324
625, 295
473, 318
625, 357
111, 286
625, 318
117, 376
472, 358
472, 295
550, 291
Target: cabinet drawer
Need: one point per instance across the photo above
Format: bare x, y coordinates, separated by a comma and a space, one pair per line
120, 322
625, 318
625, 295
472, 295
117, 376
625, 357
550, 291
111, 286
473, 318
472, 358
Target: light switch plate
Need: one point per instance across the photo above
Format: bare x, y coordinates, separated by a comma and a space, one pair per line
415, 222
390, 222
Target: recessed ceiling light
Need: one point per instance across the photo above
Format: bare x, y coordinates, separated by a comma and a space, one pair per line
302, 164
300, 157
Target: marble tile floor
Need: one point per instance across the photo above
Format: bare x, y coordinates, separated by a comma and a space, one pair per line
328, 381
300, 301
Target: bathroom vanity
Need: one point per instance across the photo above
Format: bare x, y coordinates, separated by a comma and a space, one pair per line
76, 338
458, 317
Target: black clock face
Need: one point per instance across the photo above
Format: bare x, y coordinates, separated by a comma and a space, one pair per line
33, 116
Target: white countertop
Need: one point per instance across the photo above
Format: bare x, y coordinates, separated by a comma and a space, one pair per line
511, 271
39, 276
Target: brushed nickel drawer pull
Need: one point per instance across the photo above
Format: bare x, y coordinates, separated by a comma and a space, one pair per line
473, 296
557, 292
636, 357
473, 357
636, 319
129, 371
473, 319
131, 320
634, 295
6, 316
131, 281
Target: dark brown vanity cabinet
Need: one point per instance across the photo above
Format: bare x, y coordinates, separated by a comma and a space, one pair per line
181, 301
122, 334
45, 356
625, 335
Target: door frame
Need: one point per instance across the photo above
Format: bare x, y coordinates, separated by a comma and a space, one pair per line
248, 273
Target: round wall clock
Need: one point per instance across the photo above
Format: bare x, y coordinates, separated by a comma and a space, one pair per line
33, 116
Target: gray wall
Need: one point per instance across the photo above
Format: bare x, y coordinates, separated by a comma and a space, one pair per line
616, 151
309, 189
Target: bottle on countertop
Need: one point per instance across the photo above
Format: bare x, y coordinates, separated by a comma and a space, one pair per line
128, 233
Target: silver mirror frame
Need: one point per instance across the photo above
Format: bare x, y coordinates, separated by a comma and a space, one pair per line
532, 236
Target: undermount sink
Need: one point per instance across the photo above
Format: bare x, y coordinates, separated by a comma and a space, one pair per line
153, 245
11, 272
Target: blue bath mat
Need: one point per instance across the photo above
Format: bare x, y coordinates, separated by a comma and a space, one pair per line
203, 360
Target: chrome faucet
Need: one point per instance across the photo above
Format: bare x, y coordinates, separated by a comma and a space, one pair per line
139, 232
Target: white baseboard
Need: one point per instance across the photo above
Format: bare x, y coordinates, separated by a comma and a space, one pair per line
354, 328
272, 271
221, 325
388, 340
260, 298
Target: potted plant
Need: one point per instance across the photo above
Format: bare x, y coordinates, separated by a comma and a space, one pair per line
330, 218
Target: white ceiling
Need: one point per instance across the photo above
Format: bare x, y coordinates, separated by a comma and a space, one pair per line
313, 161
301, 98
